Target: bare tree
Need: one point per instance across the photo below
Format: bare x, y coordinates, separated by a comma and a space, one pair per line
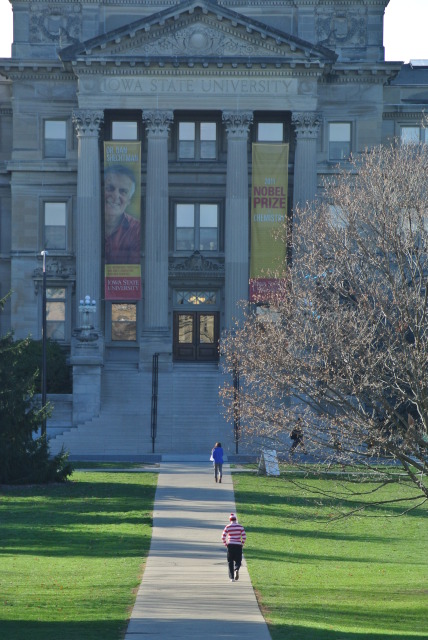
342, 343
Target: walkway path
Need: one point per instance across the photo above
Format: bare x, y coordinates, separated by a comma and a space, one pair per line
185, 591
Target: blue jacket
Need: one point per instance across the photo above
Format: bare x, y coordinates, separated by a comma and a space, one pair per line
218, 455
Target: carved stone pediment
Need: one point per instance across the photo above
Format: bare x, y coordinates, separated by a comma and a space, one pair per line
197, 30
58, 270
196, 265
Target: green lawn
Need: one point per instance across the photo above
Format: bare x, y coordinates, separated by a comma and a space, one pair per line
72, 555
362, 578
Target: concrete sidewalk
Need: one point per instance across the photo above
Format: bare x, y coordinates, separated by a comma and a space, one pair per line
185, 591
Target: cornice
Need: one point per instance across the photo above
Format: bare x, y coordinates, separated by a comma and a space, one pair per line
403, 115
295, 4
31, 70
376, 73
195, 72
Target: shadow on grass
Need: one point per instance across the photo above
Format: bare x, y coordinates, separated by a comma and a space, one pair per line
33, 630
303, 506
74, 519
296, 632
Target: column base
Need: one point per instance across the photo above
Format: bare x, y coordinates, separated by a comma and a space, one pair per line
152, 342
87, 360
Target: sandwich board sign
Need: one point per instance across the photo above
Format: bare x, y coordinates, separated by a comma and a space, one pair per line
268, 463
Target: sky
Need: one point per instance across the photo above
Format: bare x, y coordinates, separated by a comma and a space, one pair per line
405, 32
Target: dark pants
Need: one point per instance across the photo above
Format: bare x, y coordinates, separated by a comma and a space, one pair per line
234, 558
218, 469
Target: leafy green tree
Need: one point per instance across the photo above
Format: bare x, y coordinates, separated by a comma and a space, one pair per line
24, 457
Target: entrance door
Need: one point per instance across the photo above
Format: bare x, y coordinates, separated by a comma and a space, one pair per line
196, 336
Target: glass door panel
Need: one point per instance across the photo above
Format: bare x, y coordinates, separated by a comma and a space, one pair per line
206, 328
196, 336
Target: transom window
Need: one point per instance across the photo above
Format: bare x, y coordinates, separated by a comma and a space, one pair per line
124, 130
197, 140
124, 322
55, 226
55, 138
339, 140
195, 297
55, 313
410, 134
270, 132
196, 227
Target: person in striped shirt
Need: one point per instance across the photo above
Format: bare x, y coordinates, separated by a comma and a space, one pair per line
234, 538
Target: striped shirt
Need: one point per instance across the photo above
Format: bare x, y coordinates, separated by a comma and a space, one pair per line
234, 533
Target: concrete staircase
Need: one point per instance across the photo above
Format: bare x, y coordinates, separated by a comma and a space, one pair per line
189, 419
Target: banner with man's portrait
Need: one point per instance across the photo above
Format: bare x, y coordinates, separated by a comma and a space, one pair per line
269, 195
122, 220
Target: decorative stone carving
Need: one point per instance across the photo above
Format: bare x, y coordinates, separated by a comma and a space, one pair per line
56, 270
58, 25
87, 122
237, 122
342, 28
197, 39
196, 264
306, 123
158, 122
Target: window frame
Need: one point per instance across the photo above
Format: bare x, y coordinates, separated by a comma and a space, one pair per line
68, 232
125, 121
196, 204
56, 300
197, 155
65, 139
423, 133
343, 158
53, 282
267, 122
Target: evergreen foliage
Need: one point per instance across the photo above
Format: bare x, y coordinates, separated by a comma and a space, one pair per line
24, 457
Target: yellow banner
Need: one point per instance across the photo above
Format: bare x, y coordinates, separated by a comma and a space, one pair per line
268, 213
122, 215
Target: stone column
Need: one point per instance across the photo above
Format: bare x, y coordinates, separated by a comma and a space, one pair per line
156, 334
88, 214
237, 213
87, 347
307, 125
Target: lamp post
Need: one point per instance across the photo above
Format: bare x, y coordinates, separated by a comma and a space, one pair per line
44, 368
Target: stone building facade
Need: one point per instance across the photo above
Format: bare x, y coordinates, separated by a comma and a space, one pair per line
196, 83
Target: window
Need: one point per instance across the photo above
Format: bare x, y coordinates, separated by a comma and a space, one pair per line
270, 132
197, 140
55, 226
124, 322
55, 138
413, 135
196, 227
192, 298
122, 130
339, 140
55, 313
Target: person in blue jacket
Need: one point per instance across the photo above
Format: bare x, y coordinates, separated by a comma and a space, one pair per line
217, 454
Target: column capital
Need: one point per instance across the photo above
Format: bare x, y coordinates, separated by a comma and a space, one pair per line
158, 122
306, 123
87, 121
237, 122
